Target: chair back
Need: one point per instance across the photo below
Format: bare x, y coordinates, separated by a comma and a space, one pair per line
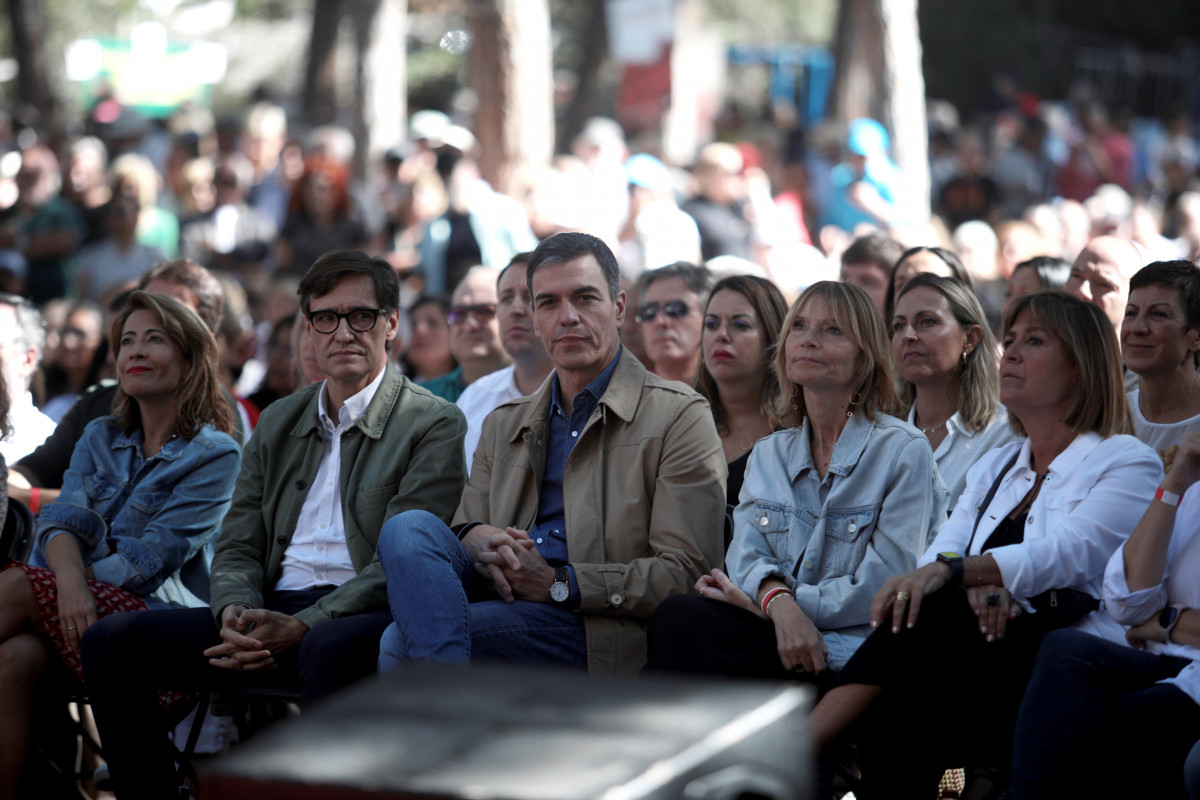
16, 540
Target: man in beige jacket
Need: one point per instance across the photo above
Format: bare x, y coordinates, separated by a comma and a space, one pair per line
588, 503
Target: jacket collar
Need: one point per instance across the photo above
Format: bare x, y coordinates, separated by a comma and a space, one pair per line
1066, 462
169, 452
846, 452
372, 422
621, 397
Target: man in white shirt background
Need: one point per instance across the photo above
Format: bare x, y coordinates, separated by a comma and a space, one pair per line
530, 364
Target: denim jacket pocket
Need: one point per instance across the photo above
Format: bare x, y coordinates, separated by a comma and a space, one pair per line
785, 531
142, 508
100, 489
847, 532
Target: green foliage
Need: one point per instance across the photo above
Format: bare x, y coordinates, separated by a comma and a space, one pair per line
771, 21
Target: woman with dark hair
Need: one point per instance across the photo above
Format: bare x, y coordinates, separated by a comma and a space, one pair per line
832, 505
428, 354
81, 358
946, 365
321, 217
914, 261
741, 324
1160, 340
1040, 272
140, 505
1023, 552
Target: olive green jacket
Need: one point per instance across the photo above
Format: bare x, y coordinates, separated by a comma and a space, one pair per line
644, 494
406, 452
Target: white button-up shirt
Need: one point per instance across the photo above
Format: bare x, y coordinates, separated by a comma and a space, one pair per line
962, 447
30, 428
481, 398
317, 554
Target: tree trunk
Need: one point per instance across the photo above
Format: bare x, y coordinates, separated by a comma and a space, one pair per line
318, 102
510, 71
379, 79
584, 102
878, 54
28, 36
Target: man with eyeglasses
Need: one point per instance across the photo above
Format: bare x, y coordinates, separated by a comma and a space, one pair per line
671, 313
297, 591
589, 501
474, 334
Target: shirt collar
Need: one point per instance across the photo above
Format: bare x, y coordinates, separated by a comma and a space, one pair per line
592, 392
1066, 462
354, 407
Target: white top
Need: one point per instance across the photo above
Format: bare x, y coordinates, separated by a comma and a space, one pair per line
317, 554
481, 398
107, 267
1180, 584
1095, 493
962, 447
1164, 437
30, 428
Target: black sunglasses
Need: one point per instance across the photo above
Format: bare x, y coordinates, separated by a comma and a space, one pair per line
675, 309
483, 313
360, 320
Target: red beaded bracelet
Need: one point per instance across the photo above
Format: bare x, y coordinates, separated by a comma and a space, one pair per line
772, 595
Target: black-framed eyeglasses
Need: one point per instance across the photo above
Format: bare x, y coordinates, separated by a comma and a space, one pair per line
360, 320
675, 309
483, 313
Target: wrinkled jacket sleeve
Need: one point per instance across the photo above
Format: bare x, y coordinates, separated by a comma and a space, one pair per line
687, 522
239, 563
187, 520
912, 505
1079, 549
71, 512
432, 482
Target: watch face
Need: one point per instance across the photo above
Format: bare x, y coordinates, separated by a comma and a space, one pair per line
949, 556
1167, 617
559, 592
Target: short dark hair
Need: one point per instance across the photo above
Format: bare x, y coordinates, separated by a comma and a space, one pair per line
1184, 278
1052, 271
330, 268
698, 279
876, 249
519, 258
210, 297
567, 246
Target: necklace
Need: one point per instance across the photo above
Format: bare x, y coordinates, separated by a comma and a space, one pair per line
934, 429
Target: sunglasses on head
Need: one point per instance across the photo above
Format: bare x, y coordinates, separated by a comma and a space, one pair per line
675, 309
483, 313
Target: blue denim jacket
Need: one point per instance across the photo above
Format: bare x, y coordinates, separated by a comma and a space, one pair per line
146, 526
835, 541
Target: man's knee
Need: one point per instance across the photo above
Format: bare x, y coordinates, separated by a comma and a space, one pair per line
409, 534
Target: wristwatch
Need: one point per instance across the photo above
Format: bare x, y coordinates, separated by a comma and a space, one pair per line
560, 590
955, 561
1168, 618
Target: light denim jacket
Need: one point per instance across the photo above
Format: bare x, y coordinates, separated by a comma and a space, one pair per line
146, 526
835, 541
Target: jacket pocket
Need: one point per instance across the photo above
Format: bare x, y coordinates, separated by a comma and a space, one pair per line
847, 532
786, 532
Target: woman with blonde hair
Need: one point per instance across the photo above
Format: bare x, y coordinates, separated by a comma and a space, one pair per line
140, 505
832, 505
939, 682
946, 366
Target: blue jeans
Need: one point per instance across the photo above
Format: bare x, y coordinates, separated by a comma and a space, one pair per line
431, 583
1094, 702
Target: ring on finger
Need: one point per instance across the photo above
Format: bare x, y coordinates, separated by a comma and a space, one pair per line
902, 596
71, 628
993, 599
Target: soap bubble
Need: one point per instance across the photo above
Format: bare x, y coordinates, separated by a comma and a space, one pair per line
456, 42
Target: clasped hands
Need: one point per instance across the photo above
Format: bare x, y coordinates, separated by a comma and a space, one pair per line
899, 601
511, 562
251, 636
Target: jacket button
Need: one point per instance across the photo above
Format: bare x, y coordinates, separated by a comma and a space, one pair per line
763, 520
281, 540
300, 485
807, 565
616, 599
852, 527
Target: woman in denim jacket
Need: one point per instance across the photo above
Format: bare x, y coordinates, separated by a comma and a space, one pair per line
831, 507
141, 502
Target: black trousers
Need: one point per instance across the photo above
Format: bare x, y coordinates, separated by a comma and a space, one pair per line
129, 658
950, 697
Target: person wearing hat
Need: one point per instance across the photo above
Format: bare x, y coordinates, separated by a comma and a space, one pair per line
656, 232
864, 184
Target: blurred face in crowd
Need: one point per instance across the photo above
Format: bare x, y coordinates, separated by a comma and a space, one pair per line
79, 340
923, 261
1101, 273
870, 276
474, 328
429, 350
1023, 281
1155, 339
672, 325
514, 313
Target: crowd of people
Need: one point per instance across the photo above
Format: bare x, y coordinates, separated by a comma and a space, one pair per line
720, 420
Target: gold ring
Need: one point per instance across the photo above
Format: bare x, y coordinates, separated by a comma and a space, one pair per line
902, 596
